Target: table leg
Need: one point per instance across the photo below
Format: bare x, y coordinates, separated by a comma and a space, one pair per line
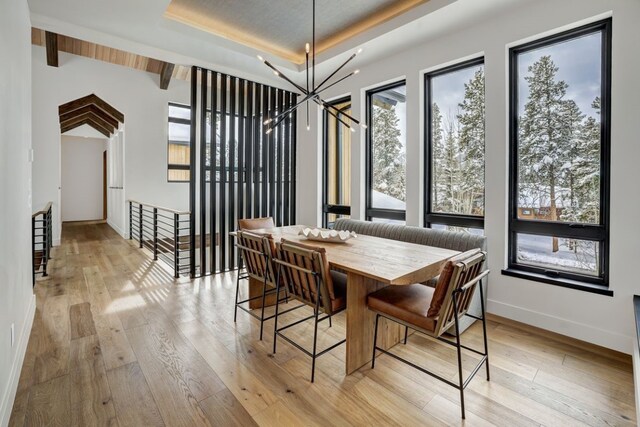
255, 289
361, 323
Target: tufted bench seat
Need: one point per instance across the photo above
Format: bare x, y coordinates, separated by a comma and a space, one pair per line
456, 241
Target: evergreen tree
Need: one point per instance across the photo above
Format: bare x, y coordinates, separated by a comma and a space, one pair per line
437, 157
542, 141
471, 120
389, 176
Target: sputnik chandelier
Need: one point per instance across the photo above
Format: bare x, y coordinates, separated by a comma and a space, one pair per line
312, 92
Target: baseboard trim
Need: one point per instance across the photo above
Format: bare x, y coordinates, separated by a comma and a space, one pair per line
569, 328
117, 229
12, 387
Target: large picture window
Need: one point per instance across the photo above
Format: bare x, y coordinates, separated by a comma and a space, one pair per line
454, 180
559, 166
336, 200
386, 153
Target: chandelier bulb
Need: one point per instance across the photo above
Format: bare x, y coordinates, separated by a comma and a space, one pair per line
307, 48
356, 71
308, 127
266, 122
359, 51
268, 131
352, 129
260, 58
276, 73
363, 126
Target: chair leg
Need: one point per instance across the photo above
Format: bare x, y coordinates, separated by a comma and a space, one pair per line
459, 350
315, 341
330, 325
484, 332
264, 299
406, 334
235, 308
375, 342
275, 319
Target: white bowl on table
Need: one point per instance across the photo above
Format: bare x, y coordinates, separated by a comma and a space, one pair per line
322, 235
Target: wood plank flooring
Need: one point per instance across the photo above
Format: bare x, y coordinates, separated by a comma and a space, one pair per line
116, 341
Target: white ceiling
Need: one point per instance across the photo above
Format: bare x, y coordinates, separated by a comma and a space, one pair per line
139, 26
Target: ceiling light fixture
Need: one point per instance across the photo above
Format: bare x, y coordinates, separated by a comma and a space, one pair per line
312, 92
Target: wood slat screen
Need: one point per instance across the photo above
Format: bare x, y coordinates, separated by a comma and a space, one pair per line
246, 172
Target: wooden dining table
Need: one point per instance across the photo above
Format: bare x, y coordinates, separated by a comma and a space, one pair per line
371, 263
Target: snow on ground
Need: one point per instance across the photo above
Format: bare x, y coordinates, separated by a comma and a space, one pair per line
537, 250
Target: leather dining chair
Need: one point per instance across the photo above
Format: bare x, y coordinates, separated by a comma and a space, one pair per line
248, 224
256, 253
434, 311
304, 272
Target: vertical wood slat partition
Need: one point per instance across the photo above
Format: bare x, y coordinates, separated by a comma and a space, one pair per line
248, 172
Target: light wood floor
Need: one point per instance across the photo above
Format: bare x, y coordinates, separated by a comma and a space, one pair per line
116, 341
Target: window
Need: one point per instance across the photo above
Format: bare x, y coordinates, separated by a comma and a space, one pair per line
336, 200
559, 165
386, 153
454, 152
179, 134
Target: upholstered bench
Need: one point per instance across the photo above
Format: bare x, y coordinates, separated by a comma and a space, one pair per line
456, 241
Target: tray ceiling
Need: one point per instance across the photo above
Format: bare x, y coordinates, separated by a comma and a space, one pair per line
282, 27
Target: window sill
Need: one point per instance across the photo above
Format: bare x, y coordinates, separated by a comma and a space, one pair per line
565, 283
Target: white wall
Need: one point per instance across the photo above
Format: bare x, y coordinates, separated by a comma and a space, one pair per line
82, 186
17, 303
603, 320
137, 95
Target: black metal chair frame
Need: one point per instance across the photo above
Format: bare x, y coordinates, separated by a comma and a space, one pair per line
462, 383
265, 291
277, 332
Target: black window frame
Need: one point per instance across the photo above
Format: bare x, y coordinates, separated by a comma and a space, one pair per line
327, 208
440, 218
371, 212
599, 233
170, 119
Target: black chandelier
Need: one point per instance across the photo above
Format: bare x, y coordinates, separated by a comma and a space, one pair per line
312, 92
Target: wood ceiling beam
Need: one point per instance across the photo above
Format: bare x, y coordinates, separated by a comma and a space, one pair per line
51, 41
88, 100
98, 120
165, 75
90, 109
87, 122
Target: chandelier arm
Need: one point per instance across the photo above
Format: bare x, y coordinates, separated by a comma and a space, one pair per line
283, 76
335, 83
327, 105
335, 115
290, 109
335, 72
313, 64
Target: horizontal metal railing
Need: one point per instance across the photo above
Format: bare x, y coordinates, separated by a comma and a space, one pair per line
163, 231
41, 240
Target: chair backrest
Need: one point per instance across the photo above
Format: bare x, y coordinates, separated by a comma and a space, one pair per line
304, 270
256, 251
255, 223
466, 272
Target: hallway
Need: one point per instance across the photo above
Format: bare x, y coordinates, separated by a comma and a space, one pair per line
116, 341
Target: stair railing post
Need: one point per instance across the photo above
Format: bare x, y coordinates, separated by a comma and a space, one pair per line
130, 220
45, 244
176, 251
140, 224
155, 234
33, 249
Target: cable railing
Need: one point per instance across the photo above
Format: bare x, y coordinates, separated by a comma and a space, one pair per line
164, 232
41, 240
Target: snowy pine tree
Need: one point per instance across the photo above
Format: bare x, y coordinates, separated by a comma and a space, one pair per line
389, 175
471, 120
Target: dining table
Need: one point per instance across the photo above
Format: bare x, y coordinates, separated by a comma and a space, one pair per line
370, 263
